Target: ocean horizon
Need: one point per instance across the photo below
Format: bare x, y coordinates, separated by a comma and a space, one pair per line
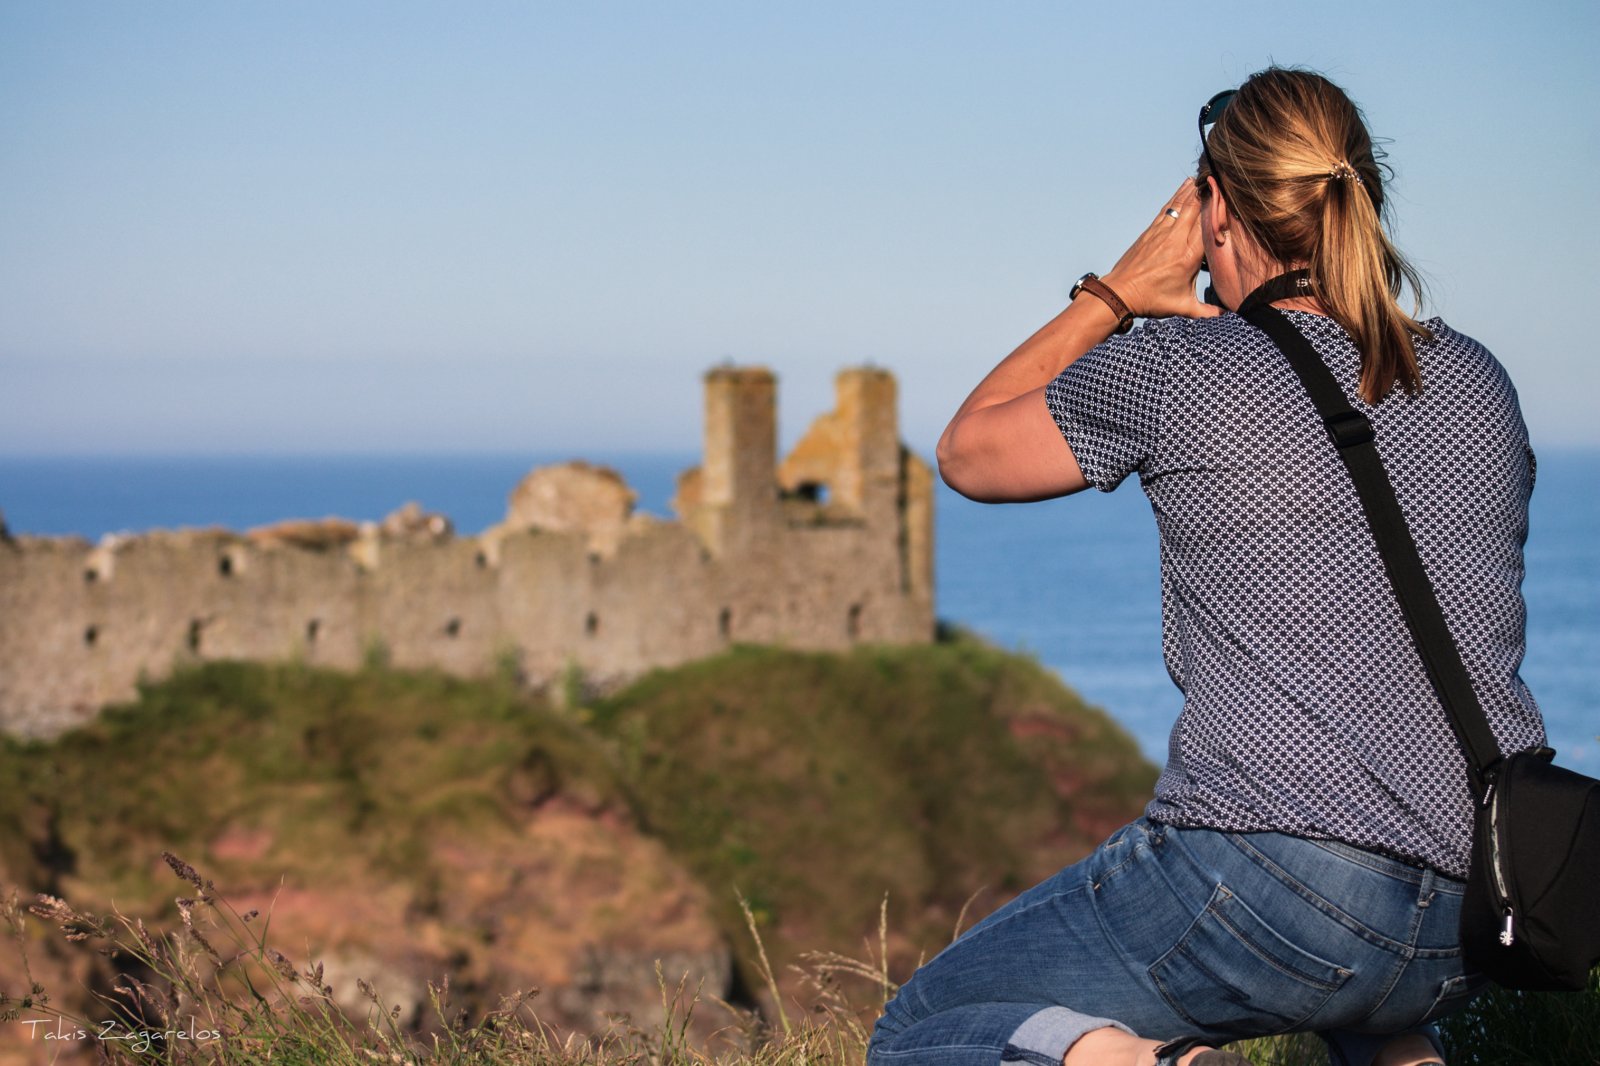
1072, 582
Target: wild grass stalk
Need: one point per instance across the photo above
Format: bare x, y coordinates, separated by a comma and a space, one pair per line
766, 966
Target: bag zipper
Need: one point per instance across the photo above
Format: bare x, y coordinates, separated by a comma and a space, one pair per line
1508, 931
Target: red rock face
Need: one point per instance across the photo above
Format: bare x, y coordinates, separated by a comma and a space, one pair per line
575, 903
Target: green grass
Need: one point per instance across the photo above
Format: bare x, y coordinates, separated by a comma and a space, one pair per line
816, 784
1504, 1028
335, 768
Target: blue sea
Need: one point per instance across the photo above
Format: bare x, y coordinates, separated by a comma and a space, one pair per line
1073, 581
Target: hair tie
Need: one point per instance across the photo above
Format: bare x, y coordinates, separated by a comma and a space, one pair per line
1346, 171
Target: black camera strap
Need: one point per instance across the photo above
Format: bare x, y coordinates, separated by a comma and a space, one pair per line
1283, 287
1352, 435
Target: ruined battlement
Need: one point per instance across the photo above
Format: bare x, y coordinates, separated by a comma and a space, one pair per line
830, 547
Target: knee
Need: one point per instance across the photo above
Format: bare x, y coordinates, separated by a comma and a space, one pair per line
898, 1015
894, 1019
882, 1034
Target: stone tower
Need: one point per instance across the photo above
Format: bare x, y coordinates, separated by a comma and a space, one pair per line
738, 486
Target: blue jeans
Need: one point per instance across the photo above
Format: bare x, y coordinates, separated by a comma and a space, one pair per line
1167, 932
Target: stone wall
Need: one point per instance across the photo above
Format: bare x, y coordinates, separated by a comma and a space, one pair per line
832, 547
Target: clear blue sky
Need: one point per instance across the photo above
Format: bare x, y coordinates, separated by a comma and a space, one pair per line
390, 226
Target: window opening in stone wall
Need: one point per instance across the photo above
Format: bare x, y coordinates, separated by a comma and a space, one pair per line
482, 559
725, 623
90, 576
852, 623
812, 491
90, 635
591, 625
192, 639
313, 629
452, 628
225, 566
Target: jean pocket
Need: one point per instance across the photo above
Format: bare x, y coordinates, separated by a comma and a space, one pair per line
1232, 972
1454, 993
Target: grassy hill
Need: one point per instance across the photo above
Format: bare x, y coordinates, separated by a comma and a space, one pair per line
817, 784
417, 821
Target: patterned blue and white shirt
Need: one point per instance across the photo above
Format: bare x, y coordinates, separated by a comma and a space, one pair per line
1306, 708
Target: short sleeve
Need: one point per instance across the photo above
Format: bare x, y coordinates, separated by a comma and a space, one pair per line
1108, 404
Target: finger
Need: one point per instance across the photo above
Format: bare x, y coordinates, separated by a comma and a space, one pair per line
1182, 203
1185, 195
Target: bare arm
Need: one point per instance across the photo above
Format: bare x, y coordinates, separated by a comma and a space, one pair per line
1003, 445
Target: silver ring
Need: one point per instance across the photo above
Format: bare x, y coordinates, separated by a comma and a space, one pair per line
1172, 212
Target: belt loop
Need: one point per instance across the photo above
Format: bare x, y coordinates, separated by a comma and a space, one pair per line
1425, 890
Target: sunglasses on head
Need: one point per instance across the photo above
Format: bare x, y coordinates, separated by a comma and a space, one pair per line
1208, 117
1209, 113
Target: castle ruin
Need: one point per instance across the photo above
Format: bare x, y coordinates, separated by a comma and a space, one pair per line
831, 547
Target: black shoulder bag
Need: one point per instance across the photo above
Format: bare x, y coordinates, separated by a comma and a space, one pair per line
1531, 915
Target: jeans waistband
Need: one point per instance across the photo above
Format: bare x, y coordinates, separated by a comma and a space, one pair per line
1284, 847
1390, 865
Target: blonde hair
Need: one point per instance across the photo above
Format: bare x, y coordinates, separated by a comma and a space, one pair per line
1298, 168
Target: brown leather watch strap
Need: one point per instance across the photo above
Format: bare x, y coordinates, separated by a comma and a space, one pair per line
1091, 283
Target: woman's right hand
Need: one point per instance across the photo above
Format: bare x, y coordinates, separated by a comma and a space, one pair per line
1156, 275
1003, 444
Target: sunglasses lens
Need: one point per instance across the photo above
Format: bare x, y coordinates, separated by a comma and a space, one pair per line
1214, 108
1208, 118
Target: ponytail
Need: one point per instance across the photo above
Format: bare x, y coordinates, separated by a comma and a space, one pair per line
1303, 179
1356, 273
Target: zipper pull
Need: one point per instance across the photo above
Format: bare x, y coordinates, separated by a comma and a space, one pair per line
1507, 938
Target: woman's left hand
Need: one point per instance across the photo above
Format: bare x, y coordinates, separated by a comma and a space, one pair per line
1155, 277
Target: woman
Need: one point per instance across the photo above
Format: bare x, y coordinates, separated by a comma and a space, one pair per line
1300, 867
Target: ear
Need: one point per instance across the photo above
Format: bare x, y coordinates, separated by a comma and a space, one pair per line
1216, 209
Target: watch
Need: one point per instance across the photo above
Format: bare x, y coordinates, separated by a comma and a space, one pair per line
1091, 283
